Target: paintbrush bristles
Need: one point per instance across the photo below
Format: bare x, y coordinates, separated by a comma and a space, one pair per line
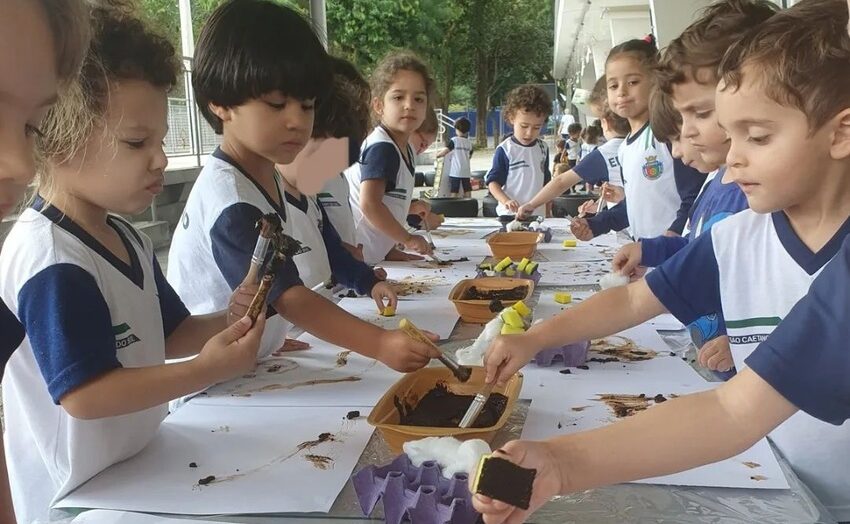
269, 225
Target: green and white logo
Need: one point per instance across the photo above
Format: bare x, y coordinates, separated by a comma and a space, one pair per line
124, 336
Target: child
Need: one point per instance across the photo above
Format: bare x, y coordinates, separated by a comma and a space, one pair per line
593, 138
99, 317
658, 189
783, 99
382, 181
457, 153
560, 157
573, 146
43, 44
521, 162
265, 118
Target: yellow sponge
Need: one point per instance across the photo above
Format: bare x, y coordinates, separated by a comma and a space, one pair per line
563, 298
512, 318
522, 309
507, 329
569, 243
504, 263
388, 311
510, 272
522, 263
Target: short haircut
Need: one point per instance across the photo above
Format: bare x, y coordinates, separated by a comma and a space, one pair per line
599, 99
68, 21
799, 57
701, 47
560, 143
643, 49
593, 133
529, 98
345, 111
664, 120
462, 125
574, 128
395, 61
249, 48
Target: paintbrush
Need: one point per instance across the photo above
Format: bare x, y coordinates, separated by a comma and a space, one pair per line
269, 226
434, 257
477, 405
267, 272
462, 373
601, 199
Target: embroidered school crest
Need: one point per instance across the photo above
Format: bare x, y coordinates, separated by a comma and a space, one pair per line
653, 168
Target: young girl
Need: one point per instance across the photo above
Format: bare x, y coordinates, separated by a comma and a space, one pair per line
43, 43
658, 189
382, 181
89, 387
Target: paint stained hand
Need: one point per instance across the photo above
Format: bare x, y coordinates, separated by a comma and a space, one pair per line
402, 353
233, 352
628, 259
581, 229
384, 296
239, 302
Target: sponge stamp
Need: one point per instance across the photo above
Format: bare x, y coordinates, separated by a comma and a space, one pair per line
503, 480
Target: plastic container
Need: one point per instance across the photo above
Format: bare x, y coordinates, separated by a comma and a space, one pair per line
516, 244
478, 311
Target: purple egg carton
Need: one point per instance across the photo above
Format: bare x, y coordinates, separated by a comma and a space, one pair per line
419, 495
534, 277
572, 354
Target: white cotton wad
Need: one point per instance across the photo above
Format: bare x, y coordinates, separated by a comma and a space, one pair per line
474, 354
613, 280
516, 225
451, 454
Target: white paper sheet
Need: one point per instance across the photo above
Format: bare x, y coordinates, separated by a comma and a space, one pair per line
578, 408
437, 315
546, 306
572, 273
100, 516
432, 282
264, 460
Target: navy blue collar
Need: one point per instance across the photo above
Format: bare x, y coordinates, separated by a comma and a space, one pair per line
800, 252
634, 136
301, 204
410, 161
280, 208
132, 271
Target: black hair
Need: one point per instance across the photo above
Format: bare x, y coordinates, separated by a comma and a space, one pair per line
249, 48
574, 128
462, 125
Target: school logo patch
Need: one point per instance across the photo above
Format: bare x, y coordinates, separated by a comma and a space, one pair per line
653, 168
185, 221
124, 336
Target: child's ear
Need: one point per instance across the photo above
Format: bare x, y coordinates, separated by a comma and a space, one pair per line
378, 106
223, 113
840, 148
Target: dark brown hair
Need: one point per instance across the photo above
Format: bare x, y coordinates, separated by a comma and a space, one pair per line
643, 49
599, 99
463, 125
345, 111
529, 98
395, 61
700, 48
664, 120
800, 57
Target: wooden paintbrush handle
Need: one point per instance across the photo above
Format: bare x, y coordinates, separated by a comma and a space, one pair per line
258, 305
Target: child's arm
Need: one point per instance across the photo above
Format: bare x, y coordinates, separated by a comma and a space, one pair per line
443, 152
689, 181
612, 219
345, 269
502, 197
648, 252
496, 179
555, 188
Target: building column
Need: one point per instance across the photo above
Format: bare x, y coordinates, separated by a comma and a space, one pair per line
671, 17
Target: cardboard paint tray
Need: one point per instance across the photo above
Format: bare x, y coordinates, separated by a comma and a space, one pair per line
478, 310
572, 355
413, 386
419, 495
516, 244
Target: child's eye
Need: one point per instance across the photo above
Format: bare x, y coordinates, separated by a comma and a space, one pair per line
308, 106
759, 140
275, 105
31, 130
703, 115
419, 100
634, 82
135, 144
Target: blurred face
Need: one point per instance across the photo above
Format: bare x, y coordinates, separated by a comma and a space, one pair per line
767, 141
27, 90
527, 125
402, 108
121, 167
695, 101
629, 85
321, 160
273, 126
420, 141
684, 151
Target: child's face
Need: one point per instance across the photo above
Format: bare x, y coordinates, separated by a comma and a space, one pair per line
321, 160
274, 126
27, 90
527, 125
420, 141
688, 154
629, 85
402, 108
771, 156
696, 103
121, 167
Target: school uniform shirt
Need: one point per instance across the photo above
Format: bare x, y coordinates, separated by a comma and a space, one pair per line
586, 149
460, 149
573, 149
211, 249
381, 159
85, 312
659, 188
602, 165
521, 170
11, 335
334, 199
753, 268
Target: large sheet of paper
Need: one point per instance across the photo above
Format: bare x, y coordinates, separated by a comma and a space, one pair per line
587, 405
573, 273
248, 460
422, 279
101, 516
437, 315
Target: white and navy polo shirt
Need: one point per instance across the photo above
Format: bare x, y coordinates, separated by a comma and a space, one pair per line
754, 268
521, 170
602, 164
381, 159
85, 312
457, 161
660, 189
211, 249
334, 199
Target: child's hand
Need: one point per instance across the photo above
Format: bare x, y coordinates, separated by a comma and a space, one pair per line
233, 352
627, 259
433, 221
547, 482
420, 207
239, 301
506, 355
401, 353
417, 243
381, 291
581, 229
612, 193
588, 208
380, 273
356, 251
523, 211
397, 255
716, 354
512, 205
291, 344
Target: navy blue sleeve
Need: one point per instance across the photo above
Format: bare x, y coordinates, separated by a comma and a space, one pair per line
380, 162
345, 269
451, 145
592, 168
11, 335
688, 183
69, 327
499, 171
807, 358
654, 251
172, 309
233, 237
612, 219
547, 174
688, 284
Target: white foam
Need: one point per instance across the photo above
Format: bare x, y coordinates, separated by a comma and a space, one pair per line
451, 454
613, 280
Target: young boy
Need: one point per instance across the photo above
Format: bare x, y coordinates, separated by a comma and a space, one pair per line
265, 118
782, 99
560, 157
521, 162
457, 153
573, 145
